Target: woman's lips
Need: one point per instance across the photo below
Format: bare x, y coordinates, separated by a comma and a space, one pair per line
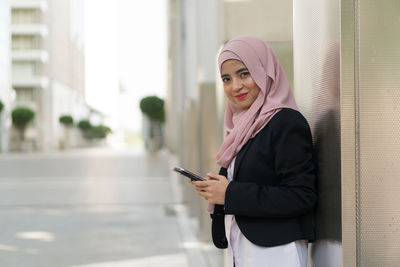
241, 96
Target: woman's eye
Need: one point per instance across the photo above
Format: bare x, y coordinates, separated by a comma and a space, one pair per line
225, 80
244, 74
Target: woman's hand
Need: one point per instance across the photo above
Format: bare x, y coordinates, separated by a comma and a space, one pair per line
213, 189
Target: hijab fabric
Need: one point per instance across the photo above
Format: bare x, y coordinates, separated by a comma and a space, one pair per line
275, 94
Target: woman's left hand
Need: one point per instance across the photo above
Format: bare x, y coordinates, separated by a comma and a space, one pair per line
213, 189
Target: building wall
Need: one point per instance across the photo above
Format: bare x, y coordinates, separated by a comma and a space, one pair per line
316, 41
66, 32
5, 72
66, 69
370, 132
193, 44
269, 20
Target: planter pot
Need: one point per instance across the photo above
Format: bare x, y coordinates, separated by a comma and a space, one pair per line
152, 134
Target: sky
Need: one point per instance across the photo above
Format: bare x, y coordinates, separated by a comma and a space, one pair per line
125, 45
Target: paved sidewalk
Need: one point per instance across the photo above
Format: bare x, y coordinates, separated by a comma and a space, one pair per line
95, 208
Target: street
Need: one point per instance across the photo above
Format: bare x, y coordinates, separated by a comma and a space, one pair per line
93, 207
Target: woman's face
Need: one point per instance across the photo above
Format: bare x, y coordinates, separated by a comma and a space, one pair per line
239, 87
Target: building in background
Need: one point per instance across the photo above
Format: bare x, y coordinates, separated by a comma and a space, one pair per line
5, 72
47, 65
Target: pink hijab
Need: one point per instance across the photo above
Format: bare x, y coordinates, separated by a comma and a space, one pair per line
275, 94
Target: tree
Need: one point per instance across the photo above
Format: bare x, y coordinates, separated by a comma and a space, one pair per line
21, 117
1, 106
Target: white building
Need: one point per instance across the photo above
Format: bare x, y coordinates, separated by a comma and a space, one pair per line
47, 65
5, 72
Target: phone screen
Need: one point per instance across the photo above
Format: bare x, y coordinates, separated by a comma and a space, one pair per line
189, 174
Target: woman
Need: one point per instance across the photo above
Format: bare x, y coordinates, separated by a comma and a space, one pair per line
265, 193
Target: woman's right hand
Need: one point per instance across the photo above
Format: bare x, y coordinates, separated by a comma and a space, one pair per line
213, 189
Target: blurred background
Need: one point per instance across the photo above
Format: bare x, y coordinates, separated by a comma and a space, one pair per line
100, 99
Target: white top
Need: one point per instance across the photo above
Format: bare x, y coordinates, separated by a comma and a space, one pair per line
246, 254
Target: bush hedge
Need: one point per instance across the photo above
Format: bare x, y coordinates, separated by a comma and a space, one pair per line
153, 107
66, 120
21, 116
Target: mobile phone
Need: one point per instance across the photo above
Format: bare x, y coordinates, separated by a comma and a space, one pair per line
189, 174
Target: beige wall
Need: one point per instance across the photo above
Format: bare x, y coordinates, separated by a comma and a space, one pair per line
370, 139
269, 20
317, 84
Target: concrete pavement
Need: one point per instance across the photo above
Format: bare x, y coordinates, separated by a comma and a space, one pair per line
95, 207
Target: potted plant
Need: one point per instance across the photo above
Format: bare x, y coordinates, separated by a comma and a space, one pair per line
21, 117
154, 116
67, 121
84, 125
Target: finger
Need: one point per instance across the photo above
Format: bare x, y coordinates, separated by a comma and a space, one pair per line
213, 176
203, 194
200, 189
203, 183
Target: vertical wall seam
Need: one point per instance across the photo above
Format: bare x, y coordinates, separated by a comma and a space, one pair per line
357, 127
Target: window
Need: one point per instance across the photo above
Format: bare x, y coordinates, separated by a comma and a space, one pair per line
23, 69
24, 42
25, 16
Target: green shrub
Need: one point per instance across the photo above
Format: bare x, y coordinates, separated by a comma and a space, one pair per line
84, 125
99, 131
1, 106
66, 120
21, 116
153, 107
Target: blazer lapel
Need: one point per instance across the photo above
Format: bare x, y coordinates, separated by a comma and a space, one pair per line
240, 156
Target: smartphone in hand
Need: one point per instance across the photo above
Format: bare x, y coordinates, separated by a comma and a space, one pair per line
189, 174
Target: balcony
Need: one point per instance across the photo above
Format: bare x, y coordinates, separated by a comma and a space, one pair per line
32, 81
29, 104
29, 4
29, 29
30, 55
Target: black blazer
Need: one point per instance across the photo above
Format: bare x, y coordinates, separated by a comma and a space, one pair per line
273, 191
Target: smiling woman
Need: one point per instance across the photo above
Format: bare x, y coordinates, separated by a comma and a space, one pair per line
239, 87
263, 198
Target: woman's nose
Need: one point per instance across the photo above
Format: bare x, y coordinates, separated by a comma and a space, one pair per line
237, 84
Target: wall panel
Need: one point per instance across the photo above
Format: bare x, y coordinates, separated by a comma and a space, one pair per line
379, 128
316, 39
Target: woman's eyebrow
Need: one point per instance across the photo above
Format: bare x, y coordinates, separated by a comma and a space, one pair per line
240, 70
237, 72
